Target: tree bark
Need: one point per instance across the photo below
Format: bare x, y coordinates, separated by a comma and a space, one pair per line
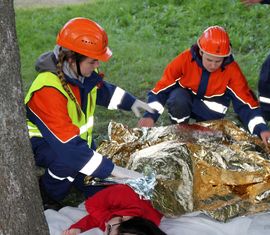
20, 202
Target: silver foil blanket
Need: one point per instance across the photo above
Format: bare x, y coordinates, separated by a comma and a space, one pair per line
214, 167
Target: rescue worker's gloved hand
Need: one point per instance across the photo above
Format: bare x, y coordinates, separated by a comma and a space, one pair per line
138, 104
125, 173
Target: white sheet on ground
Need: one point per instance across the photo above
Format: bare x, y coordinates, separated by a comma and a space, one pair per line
194, 223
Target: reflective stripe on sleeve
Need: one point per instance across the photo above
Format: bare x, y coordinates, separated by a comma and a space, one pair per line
255, 121
116, 98
92, 164
264, 99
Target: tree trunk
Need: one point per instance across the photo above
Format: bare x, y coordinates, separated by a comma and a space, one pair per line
20, 202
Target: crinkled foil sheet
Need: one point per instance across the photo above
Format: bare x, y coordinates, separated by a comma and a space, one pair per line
213, 166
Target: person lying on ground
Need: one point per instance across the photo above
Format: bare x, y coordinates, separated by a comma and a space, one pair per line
118, 210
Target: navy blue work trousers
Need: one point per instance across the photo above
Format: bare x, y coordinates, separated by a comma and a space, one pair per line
182, 105
58, 187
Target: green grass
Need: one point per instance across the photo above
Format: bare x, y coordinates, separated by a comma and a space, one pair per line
144, 36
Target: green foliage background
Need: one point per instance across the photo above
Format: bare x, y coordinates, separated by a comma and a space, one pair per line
144, 36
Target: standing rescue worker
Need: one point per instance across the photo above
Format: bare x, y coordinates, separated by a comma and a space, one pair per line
264, 79
60, 110
264, 88
253, 2
200, 83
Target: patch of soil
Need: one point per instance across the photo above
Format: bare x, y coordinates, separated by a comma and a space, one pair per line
45, 3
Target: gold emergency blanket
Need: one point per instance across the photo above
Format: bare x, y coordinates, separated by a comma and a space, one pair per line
212, 166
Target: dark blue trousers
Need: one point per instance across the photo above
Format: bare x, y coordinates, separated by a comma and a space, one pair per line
183, 104
58, 187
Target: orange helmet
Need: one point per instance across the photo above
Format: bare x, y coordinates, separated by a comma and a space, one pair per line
85, 37
215, 41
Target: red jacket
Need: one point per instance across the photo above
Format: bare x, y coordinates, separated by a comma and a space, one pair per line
188, 74
225, 85
116, 200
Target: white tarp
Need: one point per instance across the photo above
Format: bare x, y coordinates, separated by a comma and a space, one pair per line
194, 223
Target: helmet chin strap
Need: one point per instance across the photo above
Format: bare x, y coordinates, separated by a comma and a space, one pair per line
78, 67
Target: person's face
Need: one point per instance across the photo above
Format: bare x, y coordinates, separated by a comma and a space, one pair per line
87, 66
113, 224
211, 63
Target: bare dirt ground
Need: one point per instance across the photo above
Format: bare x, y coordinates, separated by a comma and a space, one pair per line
44, 3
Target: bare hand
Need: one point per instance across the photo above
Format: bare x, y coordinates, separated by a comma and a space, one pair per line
250, 2
265, 136
72, 231
146, 122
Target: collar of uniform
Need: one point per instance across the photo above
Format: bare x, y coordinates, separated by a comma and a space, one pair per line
88, 83
92, 81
